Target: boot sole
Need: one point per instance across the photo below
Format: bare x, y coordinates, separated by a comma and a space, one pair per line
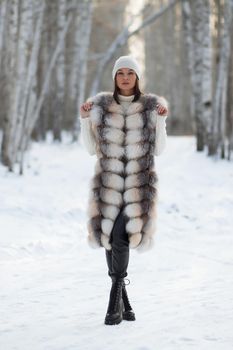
111, 322
128, 316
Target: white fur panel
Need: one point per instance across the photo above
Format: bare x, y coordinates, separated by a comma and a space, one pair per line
150, 227
115, 108
114, 165
133, 210
133, 136
152, 119
132, 195
131, 181
109, 211
98, 168
114, 120
95, 115
112, 150
134, 121
114, 135
146, 244
134, 240
136, 150
110, 196
163, 101
132, 167
105, 241
134, 225
92, 208
107, 225
113, 181
92, 241
135, 107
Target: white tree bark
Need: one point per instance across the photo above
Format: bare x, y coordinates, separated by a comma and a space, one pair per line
37, 107
196, 24
24, 43
188, 38
29, 92
230, 104
198, 7
60, 74
3, 10
206, 71
219, 107
7, 151
84, 35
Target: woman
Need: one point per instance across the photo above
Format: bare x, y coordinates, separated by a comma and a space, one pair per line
125, 129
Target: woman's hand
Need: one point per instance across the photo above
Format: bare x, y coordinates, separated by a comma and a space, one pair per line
161, 109
85, 109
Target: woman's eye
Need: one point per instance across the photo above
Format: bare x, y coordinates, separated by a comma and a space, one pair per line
119, 73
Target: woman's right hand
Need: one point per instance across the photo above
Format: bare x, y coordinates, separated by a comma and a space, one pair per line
85, 109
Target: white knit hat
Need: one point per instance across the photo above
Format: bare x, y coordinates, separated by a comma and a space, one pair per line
126, 62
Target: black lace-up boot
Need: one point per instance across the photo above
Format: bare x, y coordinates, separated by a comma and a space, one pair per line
128, 313
115, 306
117, 259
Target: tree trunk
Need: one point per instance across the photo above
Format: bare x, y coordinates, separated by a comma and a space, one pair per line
229, 129
218, 131
29, 93
38, 104
85, 31
60, 75
11, 54
3, 11
202, 66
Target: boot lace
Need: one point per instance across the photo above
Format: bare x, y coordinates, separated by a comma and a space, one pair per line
116, 294
125, 296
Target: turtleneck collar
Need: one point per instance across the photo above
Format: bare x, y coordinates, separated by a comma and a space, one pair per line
126, 98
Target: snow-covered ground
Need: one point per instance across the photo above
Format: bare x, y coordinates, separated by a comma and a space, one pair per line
54, 287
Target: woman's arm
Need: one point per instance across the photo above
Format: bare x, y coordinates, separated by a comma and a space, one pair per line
88, 135
86, 130
161, 134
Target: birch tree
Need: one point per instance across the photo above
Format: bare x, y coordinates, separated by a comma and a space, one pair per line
229, 131
29, 92
24, 42
218, 130
60, 74
3, 12
11, 54
36, 108
82, 41
202, 69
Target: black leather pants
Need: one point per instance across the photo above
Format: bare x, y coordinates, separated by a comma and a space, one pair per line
118, 257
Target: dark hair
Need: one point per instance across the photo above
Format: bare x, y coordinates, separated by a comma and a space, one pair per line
137, 92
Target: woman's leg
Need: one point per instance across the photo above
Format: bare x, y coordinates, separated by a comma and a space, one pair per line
118, 257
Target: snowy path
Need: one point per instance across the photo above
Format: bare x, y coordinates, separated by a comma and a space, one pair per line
54, 288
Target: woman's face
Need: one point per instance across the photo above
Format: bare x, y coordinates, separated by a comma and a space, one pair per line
126, 79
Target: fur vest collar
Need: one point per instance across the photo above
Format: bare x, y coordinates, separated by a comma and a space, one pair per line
124, 172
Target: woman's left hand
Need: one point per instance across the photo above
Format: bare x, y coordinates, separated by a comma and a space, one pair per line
161, 109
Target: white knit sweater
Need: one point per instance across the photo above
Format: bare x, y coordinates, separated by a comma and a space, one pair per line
161, 135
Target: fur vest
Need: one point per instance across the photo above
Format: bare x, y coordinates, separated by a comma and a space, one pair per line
124, 171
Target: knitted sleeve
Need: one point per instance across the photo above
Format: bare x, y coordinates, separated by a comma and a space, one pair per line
161, 134
88, 135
